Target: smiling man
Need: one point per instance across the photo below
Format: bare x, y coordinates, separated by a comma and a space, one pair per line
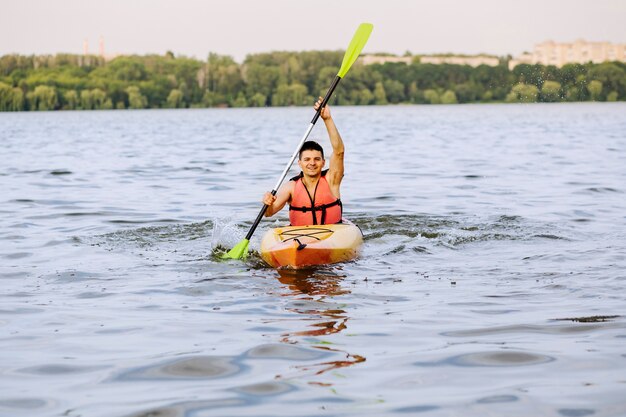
313, 195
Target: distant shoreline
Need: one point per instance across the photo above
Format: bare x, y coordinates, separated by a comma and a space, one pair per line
282, 79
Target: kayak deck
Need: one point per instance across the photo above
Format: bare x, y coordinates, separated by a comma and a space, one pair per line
302, 246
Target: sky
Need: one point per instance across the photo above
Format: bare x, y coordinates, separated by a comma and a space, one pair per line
239, 27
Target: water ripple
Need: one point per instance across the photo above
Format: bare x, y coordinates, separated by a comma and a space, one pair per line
493, 265
197, 367
491, 359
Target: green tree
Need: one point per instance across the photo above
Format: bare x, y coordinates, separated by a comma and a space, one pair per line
572, 75
611, 75
575, 84
380, 96
414, 94
175, 99
394, 90
364, 97
43, 98
258, 100
100, 99
300, 94
612, 96
155, 91
187, 73
6, 96
240, 100
261, 79
431, 96
212, 99
224, 77
523, 93
550, 91
467, 92
323, 80
487, 96
498, 80
135, 99
280, 97
8, 100
71, 100
535, 74
595, 90
18, 102
86, 100
448, 97
291, 95
128, 69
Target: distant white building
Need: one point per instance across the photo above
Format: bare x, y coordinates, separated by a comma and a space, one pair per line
580, 52
383, 59
101, 53
471, 60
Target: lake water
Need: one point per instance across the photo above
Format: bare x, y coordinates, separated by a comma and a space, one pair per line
492, 279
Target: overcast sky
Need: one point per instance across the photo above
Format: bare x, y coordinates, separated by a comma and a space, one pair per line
239, 27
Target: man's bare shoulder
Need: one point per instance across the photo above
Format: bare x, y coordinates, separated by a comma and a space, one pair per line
334, 177
288, 187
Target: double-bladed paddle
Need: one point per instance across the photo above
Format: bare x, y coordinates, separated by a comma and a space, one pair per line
359, 40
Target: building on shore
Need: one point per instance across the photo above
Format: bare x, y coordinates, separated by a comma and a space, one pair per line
383, 59
471, 60
101, 52
578, 52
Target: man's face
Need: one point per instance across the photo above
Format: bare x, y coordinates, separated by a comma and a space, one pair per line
311, 162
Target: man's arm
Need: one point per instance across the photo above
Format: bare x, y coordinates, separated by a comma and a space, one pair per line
335, 170
277, 202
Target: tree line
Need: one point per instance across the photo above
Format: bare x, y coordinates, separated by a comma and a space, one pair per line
72, 82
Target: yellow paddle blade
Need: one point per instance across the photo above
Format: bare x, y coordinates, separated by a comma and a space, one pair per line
240, 251
357, 43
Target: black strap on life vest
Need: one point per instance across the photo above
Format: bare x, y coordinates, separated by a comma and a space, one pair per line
313, 207
321, 208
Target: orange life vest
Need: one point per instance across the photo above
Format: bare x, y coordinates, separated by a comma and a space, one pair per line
322, 208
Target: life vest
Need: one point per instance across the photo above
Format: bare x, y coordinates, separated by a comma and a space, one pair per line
321, 208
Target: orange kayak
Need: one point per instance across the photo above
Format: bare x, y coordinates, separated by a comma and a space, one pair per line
302, 246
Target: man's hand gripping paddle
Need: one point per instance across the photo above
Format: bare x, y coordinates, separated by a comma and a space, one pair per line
362, 34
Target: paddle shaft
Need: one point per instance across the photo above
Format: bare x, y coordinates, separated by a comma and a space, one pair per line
295, 154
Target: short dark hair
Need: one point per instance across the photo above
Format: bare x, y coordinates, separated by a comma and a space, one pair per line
311, 145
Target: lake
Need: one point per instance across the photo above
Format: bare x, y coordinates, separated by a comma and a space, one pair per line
492, 280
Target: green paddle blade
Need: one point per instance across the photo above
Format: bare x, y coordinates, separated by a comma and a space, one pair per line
357, 43
240, 251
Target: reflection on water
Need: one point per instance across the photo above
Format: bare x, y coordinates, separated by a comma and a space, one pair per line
317, 289
312, 282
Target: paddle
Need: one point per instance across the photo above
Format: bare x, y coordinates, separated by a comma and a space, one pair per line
352, 53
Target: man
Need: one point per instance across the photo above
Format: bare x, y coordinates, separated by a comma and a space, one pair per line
313, 195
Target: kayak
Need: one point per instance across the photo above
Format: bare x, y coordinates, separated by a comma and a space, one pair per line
302, 246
